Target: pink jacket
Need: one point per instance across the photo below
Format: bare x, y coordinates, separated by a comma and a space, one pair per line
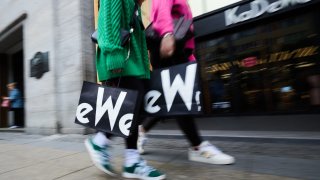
162, 17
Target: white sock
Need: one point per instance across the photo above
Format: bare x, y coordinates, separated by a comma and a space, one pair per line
100, 139
131, 157
141, 132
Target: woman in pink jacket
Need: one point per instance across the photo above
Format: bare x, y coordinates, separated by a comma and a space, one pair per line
168, 53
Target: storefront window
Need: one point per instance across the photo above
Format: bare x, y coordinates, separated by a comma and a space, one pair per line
269, 68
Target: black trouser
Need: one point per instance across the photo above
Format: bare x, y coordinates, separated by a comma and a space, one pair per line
18, 116
139, 85
186, 123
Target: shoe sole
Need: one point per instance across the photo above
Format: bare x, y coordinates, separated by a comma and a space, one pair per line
136, 176
205, 160
91, 151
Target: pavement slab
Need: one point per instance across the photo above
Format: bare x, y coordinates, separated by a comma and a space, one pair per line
64, 157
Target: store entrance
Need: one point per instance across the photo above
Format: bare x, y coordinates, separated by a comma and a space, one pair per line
17, 77
11, 71
3, 88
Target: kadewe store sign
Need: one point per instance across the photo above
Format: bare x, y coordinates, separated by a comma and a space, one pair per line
258, 8
244, 11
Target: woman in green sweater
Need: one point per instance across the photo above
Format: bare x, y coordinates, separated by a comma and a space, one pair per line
128, 66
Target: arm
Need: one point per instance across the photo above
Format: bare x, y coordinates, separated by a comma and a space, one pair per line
109, 24
163, 24
161, 16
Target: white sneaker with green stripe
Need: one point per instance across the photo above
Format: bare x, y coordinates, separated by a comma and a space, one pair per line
99, 156
142, 171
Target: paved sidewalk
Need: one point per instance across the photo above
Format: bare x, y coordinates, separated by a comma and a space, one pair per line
63, 157
266, 136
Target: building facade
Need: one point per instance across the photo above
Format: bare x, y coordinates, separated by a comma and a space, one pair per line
45, 47
260, 64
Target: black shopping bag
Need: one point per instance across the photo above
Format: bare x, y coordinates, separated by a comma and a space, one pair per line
106, 108
174, 91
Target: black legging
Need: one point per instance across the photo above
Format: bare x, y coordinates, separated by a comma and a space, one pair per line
186, 123
139, 85
18, 116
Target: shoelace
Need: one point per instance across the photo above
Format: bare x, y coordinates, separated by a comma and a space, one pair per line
143, 168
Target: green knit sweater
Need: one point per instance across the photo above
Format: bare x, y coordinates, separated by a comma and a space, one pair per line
114, 15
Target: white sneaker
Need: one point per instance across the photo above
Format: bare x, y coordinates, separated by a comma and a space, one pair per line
100, 156
141, 170
142, 140
208, 153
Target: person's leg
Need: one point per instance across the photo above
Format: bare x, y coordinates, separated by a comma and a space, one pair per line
131, 83
15, 117
134, 165
190, 130
19, 117
149, 122
146, 125
98, 145
138, 85
98, 148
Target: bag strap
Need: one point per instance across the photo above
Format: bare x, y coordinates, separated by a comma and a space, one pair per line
134, 17
132, 24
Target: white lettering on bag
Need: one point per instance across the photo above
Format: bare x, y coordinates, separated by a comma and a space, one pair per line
80, 114
108, 106
101, 108
125, 123
257, 8
185, 89
150, 99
